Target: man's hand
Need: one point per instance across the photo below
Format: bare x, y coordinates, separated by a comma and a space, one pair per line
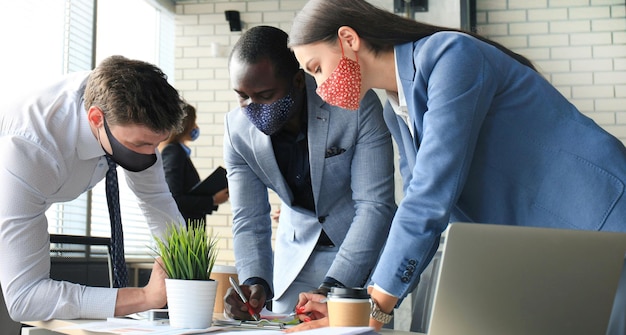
138, 299
236, 309
155, 289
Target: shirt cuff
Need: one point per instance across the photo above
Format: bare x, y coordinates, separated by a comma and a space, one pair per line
332, 282
378, 288
260, 281
98, 303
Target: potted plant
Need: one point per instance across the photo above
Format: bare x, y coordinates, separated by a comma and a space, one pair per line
188, 253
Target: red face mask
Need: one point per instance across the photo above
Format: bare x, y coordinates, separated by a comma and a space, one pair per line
343, 87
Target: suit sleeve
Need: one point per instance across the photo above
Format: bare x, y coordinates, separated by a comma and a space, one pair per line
372, 187
455, 110
252, 227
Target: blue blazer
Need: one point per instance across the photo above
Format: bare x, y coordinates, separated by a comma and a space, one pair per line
495, 143
353, 192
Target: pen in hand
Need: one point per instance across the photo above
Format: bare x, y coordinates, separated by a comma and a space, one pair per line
235, 286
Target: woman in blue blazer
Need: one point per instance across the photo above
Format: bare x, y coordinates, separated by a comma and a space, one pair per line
482, 136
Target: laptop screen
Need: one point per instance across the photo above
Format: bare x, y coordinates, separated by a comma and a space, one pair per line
497, 279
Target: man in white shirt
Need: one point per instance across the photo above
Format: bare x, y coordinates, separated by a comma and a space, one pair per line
53, 146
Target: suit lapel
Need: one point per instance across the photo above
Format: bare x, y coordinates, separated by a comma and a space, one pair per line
405, 56
318, 129
264, 154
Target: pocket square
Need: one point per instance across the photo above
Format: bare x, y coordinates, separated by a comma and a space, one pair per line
334, 151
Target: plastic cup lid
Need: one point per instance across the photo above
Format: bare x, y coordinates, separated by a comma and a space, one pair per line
345, 292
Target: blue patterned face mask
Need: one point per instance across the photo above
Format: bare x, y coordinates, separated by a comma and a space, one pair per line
194, 133
269, 118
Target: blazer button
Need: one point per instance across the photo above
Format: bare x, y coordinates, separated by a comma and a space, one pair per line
407, 274
412, 262
404, 279
410, 268
321, 219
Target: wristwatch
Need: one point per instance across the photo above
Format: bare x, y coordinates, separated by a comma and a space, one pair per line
378, 315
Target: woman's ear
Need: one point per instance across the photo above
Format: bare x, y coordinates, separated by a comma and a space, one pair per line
350, 37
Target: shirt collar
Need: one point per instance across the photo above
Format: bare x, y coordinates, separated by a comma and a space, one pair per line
398, 101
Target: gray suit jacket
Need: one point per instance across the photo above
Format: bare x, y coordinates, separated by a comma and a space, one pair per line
353, 191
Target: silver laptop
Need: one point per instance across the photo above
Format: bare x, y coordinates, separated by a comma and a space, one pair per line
509, 280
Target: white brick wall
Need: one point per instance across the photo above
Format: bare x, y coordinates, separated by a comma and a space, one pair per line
579, 45
203, 43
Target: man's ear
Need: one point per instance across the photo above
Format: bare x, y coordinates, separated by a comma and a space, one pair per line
299, 80
349, 37
95, 116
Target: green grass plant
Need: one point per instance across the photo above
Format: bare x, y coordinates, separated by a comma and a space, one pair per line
187, 252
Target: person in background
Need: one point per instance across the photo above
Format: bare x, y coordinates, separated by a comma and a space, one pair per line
275, 215
181, 175
482, 136
53, 143
332, 169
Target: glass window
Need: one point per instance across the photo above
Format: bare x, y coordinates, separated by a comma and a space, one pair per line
55, 37
140, 31
34, 52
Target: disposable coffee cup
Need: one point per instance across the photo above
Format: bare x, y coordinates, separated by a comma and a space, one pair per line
348, 307
220, 273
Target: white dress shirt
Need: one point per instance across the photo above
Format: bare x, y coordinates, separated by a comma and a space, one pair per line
48, 154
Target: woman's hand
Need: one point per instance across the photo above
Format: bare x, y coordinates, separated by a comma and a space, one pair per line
275, 215
220, 197
385, 302
311, 309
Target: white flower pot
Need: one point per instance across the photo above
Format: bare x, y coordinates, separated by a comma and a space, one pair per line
190, 302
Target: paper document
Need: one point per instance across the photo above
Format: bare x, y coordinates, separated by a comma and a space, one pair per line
338, 331
124, 326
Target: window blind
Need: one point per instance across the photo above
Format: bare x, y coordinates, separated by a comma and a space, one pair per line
150, 32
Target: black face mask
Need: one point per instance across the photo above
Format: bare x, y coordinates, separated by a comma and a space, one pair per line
126, 158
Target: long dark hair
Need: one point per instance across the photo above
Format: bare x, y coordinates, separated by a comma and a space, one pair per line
319, 20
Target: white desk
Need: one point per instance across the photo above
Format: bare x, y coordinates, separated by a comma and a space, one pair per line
45, 328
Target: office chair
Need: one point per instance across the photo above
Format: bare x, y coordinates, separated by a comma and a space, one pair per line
10, 327
87, 241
